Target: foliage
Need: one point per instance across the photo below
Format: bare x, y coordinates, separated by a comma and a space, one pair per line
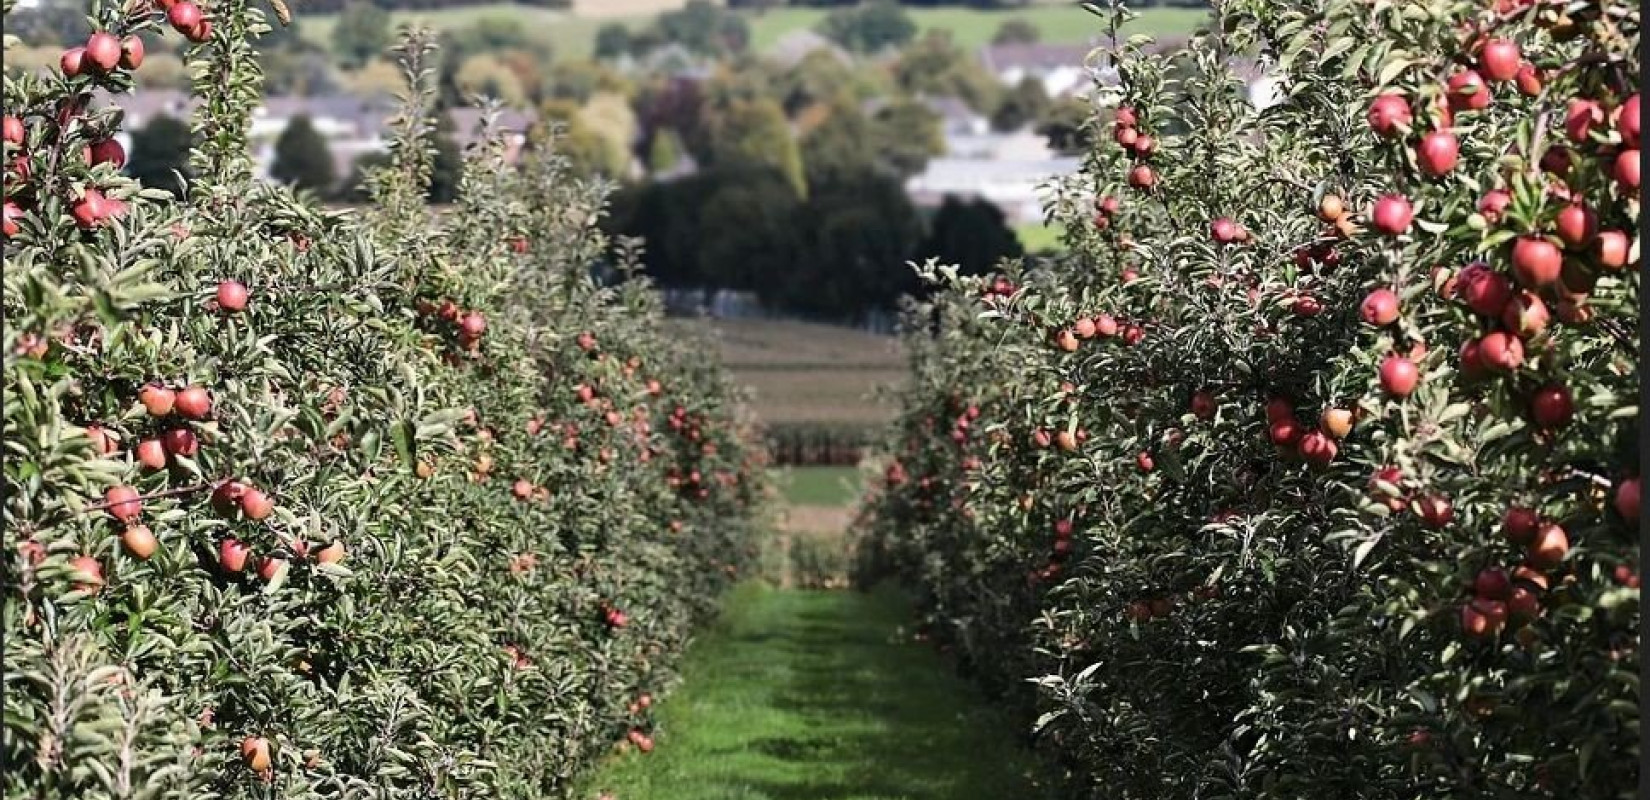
935, 66
302, 158
613, 41
1230, 521
482, 500
705, 28
1066, 123
869, 27
1017, 30
1022, 105
755, 132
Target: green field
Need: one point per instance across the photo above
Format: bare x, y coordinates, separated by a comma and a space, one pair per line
1036, 237
808, 694
573, 36
818, 486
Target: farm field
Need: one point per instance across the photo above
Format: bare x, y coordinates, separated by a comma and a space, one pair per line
809, 694
572, 34
805, 373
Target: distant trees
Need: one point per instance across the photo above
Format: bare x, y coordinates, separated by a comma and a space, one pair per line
972, 234
1017, 30
934, 65
360, 34
755, 131
1065, 124
1022, 105
160, 153
302, 158
613, 41
869, 28
705, 28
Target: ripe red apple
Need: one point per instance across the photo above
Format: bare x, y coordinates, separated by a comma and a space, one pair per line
102, 51
1484, 290
1435, 510
151, 454
88, 571
1224, 231
1067, 341
157, 400
1285, 432
1626, 171
268, 566
181, 442
106, 151
11, 130
331, 554
1576, 225
1437, 153
1492, 583
1501, 351
1110, 205
1468, 91
256, 505
1536, 262
1525, 315
1392, 214
1306, 306
232, 554
1482, 619
123, 503
1580, 117
1203, 405
1317, 449
1142, 177
1145, 462
1126, 117
1551, 406
72, 61
1105, 325
1549, 547
91, 209
103, 442
1522, 604
1379, 307
1529, 79
139, 541
184, 16
1499, 59
1126, 137
231, 296
1399, 376
1389, 115
1626, 500
1494, 203
473, 324
131, 52
1627, 121
1279, 408
194, 402
8, 219
1611, 249
1519, 524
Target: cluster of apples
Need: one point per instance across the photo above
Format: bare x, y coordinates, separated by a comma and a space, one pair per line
1140, 146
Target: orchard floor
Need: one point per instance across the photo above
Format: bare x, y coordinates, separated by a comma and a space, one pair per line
819, 695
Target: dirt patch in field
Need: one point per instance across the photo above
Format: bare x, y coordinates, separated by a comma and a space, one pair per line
624, 8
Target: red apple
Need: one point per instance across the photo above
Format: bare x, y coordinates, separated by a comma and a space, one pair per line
1126, 117
1317, 449
1389, 115
1576, 225
256, 505
1611, 249
8, 219
1501, 351
131, 52
268, 566
72, 61
1224, 231
1536, 262
157, 400
1482, 619
1627, 122
1519, 524
1392, 214
1549, 547
1494, 203
473, 324
151, 454
1551, 406
1626, 170
181, 442
1379, 307
1626, 500
107, 151
102, 51
1203, 405
1492, 583
1399, 376
184, 16
1580, 117
88, 572
1525, 315
1499, 59
194, 403
1522, 604
11, 130
1285, 432
1468, 92
232, 554
331, 554
123, 503
1435, 510
91, 209
231, 296
1437, 153
1485, 291
103, 442
1145, 462
1279, 408
1142, 177
1529, 79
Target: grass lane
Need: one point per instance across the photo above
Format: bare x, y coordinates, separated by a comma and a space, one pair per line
802, 695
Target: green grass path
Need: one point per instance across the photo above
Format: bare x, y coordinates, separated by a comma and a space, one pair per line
799, 695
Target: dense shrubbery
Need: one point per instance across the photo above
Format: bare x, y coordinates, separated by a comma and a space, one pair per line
1313, 472
303, 504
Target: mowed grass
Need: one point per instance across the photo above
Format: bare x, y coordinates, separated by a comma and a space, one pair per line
818, 486
804, 373
808, 695
572, 35
1037, 237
